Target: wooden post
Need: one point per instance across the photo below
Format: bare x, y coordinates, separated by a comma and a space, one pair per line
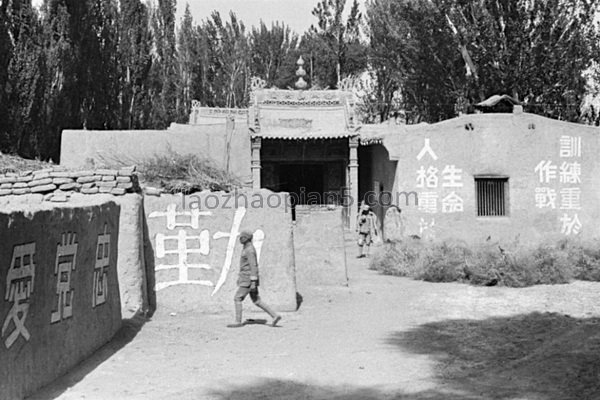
353, 201
256, 145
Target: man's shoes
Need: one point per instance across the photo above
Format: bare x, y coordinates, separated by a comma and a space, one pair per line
276, 320
235, 325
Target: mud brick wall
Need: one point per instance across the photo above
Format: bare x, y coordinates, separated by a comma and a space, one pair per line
196, 252
550, 170
319, 246
59, 297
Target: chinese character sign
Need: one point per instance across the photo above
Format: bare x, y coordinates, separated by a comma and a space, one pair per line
442, 184
559, 184
65, 263
193, 240
20, 281
101, 267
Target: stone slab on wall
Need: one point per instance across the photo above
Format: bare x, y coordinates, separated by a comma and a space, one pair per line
319, 246
552, 169
88, 149
196, 252
131, 263
59, 298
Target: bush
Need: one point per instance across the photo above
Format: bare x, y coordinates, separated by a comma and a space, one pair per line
185, 173
443, 262
396, 259
490, 263
585, 258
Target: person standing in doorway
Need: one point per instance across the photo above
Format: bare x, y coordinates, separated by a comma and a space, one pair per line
248, 282
366, 226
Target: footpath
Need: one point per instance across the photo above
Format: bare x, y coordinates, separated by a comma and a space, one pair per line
380, 338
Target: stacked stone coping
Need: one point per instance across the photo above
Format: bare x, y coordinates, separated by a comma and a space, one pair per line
57, 184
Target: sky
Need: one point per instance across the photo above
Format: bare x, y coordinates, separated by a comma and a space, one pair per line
295, 13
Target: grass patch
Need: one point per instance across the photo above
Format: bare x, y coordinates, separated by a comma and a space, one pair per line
490, 264
17, 164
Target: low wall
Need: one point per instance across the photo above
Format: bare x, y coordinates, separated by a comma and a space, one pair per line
228, 146
196, 251
319, 246
59, 297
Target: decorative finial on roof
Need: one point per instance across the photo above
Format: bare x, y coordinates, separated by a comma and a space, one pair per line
300, 73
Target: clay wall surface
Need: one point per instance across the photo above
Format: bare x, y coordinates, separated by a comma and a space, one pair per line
195, 252
319, 246
59, 298
551, 170
227, 148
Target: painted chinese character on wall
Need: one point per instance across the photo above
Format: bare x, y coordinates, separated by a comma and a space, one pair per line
101, 267
64, 264
20, 281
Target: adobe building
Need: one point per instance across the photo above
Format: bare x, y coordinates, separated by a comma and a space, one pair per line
478, 176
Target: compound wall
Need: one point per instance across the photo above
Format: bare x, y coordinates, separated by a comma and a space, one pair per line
59, 298
319, 246
550, 169
226, 144
195, 249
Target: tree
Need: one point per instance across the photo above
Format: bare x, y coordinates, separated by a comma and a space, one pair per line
163, 72
135, 61
274, 54
223, 62
444, 54
25, 91
186, 57
334, 47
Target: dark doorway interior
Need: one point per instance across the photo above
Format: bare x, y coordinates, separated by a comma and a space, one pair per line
305, 180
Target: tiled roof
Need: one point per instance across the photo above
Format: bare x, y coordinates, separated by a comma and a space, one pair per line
303, 133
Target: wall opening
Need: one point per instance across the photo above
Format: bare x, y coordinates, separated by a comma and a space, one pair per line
492, 196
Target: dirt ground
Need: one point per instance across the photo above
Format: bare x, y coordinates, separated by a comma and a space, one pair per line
380, 338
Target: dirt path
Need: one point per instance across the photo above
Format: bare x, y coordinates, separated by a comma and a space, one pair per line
383, 337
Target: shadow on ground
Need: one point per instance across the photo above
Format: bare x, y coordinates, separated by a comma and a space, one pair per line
534, 356
126, 334
289, 390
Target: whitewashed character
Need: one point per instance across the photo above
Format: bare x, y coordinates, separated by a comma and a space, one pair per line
199, 245
20, 281
174, 217
452, 203
427, 178
428, 202
545, 197
232, 236
452, 176
547, 171
65, 263
427, 150
426, 227
570, 146
570, 198
570, 226
570, 172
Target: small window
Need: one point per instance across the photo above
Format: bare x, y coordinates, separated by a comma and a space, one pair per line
491, 196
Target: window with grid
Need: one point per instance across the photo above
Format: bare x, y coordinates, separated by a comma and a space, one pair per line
491, 196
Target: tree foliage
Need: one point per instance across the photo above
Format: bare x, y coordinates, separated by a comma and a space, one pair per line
445, 55
129, 64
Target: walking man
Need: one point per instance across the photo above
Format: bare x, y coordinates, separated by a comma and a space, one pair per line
248, 282
366, 226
